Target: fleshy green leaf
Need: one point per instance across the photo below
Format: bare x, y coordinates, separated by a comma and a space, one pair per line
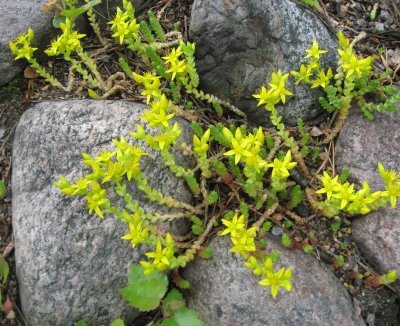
168, 322
118, 322
185, 316
173, 301
80, 323
93, 94
144, 292
79, 11
58, 20
4, 270
3, 189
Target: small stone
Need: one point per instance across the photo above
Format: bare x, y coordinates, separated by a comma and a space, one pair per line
379, 27
394, 57
343, 11
370, 320
361, 23
276, 230
386, 17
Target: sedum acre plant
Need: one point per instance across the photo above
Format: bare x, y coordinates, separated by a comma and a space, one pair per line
243, 181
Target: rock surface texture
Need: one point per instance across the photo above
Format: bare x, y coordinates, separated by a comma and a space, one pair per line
240, 43
361, 145
108, 8
15, 19
225, 292
70, 266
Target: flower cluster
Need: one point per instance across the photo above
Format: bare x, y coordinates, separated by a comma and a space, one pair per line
151, 85
162, 257
138, 232
343, 196
242, 238
22, 48
246, 149
68, 42
311, 73
280, 171
176, 67
273, 279
276, 93
124, 24
352, 66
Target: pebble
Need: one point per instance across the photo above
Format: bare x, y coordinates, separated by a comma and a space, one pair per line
361, 22
379, 27
276, 230
386, 16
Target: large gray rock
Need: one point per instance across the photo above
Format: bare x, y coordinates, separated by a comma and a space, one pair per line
240, 43
360, 146
70, 266
225, 292
15, 19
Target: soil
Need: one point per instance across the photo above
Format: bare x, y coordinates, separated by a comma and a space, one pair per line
378, 307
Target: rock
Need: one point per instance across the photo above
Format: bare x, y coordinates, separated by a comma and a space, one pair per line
108, 8
379, 27
225, 292
360, 146
360, 22
21, 15
70, 266
240, 43
394, 57
386, 16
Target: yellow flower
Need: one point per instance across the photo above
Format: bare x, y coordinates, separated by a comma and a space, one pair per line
238, 143
137, 234
314, 51
266, 97
253, 264
156, 119
353, 66
387, 176
201, 145
97, 199
329, 183
122, 29
177, 67
55, 47
277, 279
244, 242
174, 55
392, 191
120, 18
280, 169
234, 226
161, 256
151, 84
344, 192
323, 79
303, 75
277, 85
22, 47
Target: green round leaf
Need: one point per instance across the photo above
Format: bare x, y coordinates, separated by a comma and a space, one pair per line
144, 291
185, 316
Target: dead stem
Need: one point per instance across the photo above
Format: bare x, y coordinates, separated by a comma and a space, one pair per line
342, 117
